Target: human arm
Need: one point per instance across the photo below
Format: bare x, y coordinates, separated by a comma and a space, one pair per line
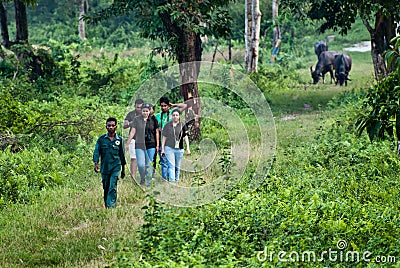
131, 135
128, 121
122, 158
122, 171
181, 106
157, 139
96, 157
163, 144
96, 167
186, 139
126, 124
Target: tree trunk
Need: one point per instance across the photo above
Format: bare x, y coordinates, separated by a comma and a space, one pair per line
247, 34
5, 37
381, 35
230, 49
188, 54
81, 25
252, 34
189, 57
276, 31
255, 33
21, 22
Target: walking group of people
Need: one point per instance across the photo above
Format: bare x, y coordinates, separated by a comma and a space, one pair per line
150, 135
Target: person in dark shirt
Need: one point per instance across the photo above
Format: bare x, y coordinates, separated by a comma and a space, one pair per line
128, 123
173, 135
163, 118
152, 116
110, 150
146, 135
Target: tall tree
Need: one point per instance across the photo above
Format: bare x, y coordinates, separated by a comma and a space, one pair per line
179, 24
81, 23
252, 34
21, 22
276, 32
378, 16
5, 37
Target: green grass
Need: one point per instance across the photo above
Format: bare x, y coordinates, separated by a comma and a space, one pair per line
68, 226
65, 227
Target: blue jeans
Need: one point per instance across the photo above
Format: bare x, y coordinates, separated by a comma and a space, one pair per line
174, 157
144, 159
164, 166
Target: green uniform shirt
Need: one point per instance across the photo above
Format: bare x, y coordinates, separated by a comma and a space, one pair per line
111, 153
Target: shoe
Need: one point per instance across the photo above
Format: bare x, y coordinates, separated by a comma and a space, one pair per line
142, 181
148, 182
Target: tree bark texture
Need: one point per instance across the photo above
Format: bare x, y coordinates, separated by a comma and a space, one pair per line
5, 37
381, 34
21, 22
81, 25
276, 31
275, 6
190, 52
252, 34
247, 34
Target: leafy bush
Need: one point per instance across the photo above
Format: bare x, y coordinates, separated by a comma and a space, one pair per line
393, 55
25, 173
380, 116
270, 77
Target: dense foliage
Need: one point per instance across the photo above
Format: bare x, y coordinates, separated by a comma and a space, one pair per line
49, 122
335, 188
380, 116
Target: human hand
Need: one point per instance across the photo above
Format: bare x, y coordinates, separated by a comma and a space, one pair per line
187, 151
96, 167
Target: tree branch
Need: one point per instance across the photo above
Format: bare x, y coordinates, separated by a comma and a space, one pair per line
367, 24
51, 125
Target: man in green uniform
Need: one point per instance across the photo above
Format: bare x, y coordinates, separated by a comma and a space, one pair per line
110, 149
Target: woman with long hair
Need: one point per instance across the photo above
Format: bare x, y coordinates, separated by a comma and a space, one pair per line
173, 135
146, 135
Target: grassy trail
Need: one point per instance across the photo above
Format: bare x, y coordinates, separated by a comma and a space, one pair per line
70, 228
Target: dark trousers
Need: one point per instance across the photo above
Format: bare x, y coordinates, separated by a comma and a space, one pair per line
110, 188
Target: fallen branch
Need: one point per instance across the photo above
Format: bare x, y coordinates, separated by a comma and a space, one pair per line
51, 125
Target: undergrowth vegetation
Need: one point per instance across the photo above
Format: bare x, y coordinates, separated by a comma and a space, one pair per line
336, 188
327, 184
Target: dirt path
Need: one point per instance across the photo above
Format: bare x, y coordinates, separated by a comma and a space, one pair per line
364, 46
